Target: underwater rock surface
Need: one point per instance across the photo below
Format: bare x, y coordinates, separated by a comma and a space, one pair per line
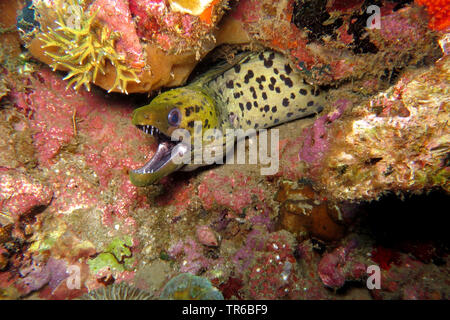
310, 231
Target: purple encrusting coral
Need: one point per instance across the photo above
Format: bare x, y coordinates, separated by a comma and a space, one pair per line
39, 274
339, 266
244, 256
263, 219
316, 139
190, 255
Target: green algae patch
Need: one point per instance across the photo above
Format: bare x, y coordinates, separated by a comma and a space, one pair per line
105, 260
121, 249
117, 256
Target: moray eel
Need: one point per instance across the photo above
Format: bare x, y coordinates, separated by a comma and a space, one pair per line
256, 90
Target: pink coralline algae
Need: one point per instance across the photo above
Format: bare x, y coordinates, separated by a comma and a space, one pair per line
309, 284
51, 120
157, 22
339, 266
273, 273
60, 117
190, 255
311, 145
272, 267
179, 194
398, 29
20, 194
117, 15
146, 13
212, 192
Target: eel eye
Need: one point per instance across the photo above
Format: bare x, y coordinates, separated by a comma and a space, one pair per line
174, 117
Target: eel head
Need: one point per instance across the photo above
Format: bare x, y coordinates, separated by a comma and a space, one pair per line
172, 110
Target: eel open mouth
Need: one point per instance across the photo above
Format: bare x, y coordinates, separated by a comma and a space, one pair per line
169, 157
163, 153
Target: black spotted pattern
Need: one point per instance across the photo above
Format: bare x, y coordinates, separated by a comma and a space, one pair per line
265, 88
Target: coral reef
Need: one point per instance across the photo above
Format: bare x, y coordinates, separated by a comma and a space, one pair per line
396, 141
273, 272
354, 188
329, 42
178, 26
383, 140
190, 253
127, 44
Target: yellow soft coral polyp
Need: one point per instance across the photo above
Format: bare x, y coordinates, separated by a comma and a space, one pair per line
85, 49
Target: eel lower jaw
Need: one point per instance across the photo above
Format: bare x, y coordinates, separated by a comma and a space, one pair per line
167, 158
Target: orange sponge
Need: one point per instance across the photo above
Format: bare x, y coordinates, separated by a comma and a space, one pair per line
439, 11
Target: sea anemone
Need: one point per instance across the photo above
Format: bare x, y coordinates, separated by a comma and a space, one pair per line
121, 291
83, 46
